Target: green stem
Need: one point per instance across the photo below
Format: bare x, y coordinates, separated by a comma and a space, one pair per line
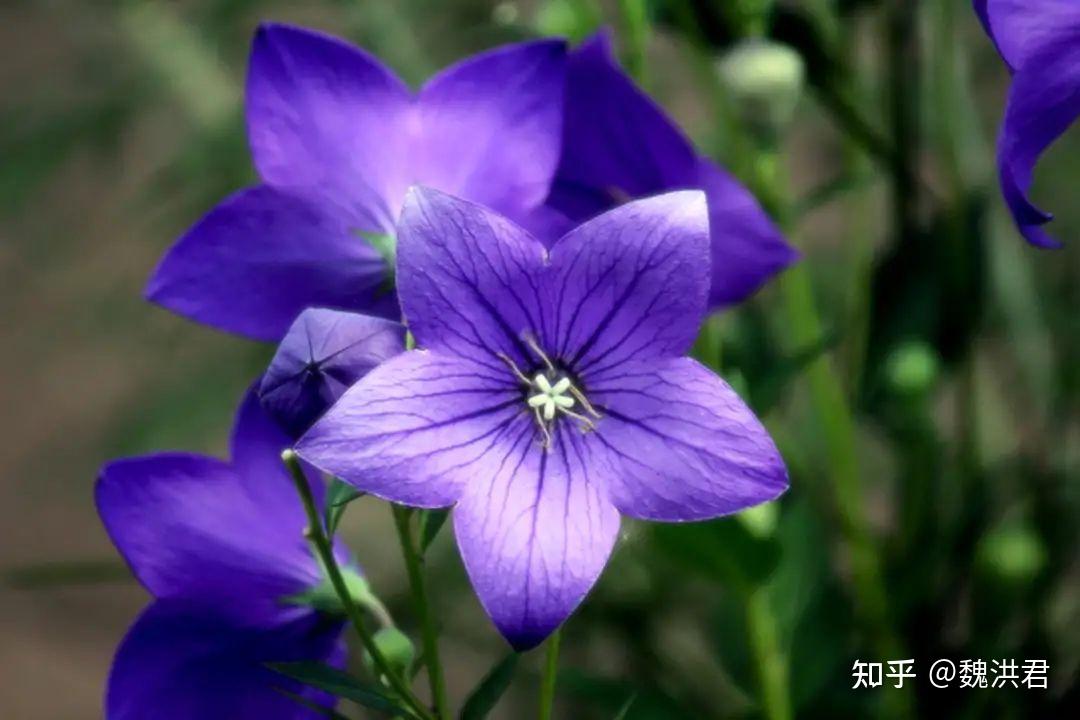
551, 670
834, 417
635, 20
418, 588
324, 552
772, 663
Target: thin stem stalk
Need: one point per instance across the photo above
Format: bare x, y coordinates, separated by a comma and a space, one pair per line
834, 416
551, 671
428, 630
324, 552
771, 661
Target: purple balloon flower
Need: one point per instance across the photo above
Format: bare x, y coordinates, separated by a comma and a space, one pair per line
550, 395
337, 139
618, 144
220, 547
324, 353
1040, 42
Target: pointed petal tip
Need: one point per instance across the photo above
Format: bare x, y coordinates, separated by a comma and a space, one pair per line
523, 639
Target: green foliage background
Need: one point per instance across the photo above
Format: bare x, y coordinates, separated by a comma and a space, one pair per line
920, 368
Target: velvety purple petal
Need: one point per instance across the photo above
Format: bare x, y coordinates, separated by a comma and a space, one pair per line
328, 117
177, 663
747, 248
324, 353
534, 534
492, 125
256, 444
467, 279
190, 529
628, 284
619, 144
616, 141
418, 427
1019, 27
1043, 102
676, 443
263, 255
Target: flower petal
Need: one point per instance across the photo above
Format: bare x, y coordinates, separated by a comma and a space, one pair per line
747, 248
326, 116
676, 443
1043, 102
534, 534
324, 353
263, 255
617, 142
418, 427
630, 283
177, 663
1019, 27
467, 278
189, 528
492, 125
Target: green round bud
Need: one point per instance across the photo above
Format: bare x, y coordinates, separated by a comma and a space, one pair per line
560, 18
396, 647
764, 80
912, 368
1012, 553
760, 520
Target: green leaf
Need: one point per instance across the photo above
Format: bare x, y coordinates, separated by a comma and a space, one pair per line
431, 523
340, 685
313, 706
484, 697
338, 495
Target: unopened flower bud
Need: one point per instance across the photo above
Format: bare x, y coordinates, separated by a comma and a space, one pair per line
1013, 554
912, 368
396, 648
764, 80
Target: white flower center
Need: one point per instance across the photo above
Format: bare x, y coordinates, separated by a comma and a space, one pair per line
551, 397
547, 399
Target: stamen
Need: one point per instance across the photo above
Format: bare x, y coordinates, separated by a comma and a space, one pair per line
531, 342
543, 429
584, 402
588, 423
551, 399
513, 366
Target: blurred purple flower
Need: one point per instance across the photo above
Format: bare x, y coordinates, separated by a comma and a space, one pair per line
220, 547
337, 139
322, 355
550, 395
618, 144
1040, 42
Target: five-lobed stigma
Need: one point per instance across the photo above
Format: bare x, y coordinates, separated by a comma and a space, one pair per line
552, 393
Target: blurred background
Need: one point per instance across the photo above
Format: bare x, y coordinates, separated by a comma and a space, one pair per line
920, 368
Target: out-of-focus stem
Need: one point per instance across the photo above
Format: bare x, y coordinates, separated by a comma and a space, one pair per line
186, 64
429, 632
769, 657
635, 20
902, 41
834, 417
325, 553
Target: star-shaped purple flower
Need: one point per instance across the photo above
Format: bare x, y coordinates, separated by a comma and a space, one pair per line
550, 394
1040, 42
324, 353
337, 139
618, 144
220, 547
